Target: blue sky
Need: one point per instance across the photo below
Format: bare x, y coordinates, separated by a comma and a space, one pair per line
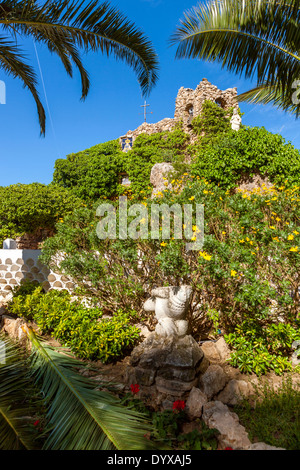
113, 105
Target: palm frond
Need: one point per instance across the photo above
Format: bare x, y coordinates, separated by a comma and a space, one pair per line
267, 94
96, 27
12, 62
256, 38
16, 428
81, 417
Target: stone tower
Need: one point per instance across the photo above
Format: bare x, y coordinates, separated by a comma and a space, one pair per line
189, 102
188, 105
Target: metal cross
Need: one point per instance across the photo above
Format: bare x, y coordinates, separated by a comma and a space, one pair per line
145, 111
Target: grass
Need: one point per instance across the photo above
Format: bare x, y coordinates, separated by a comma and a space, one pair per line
275, 419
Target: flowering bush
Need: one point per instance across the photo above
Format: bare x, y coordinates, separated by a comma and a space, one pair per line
248, 267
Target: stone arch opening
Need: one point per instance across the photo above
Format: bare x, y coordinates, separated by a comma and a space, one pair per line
189, 111
220, 102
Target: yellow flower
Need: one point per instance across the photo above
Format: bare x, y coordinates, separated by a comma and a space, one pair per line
271, 226
233, 273
291, 237
223, 233
294, 248
205, 255
242, 241
295, 232
276, 239
194, 239
163, 244
278, 219
192, 198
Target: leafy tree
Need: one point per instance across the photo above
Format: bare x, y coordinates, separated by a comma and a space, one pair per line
65, 28
258, 39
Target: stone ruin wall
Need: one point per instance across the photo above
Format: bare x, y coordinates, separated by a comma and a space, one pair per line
188, 105
189, 102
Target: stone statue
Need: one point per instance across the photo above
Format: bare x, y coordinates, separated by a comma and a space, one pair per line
170, 305
236, 120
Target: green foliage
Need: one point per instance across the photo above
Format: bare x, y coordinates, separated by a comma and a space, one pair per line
92, 173
259, 349
168, 428
96, 172
213, 120
82, 329
244, 153
48, 404
275, 419
27, 207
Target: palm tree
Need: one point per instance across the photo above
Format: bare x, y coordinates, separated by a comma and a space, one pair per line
257, 38
66, 27
46, 388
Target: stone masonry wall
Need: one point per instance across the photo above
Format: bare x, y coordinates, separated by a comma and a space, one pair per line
188, 105
16, 265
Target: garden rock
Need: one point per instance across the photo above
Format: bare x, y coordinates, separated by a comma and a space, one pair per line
216, 415
263, 446
13, 327
234, 392
216, 351
195, 402
158, 172
213, 380
170, 363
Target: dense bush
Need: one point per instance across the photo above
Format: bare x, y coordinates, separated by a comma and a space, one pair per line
26, 207
92, 173
237, 155
96, 172
82, 329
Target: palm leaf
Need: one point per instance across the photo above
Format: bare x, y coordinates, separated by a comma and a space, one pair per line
81, 417
266, 94
12, 62
16, 428
94, 26
256, 38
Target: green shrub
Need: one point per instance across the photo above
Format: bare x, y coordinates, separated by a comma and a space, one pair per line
259, 349
241, 154
27, 207
83, 330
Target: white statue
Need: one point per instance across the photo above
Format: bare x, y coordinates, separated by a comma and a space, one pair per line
236, 120
170, 305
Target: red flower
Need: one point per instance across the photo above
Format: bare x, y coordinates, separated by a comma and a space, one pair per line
36, 422
135, 388
228, 448
178, 405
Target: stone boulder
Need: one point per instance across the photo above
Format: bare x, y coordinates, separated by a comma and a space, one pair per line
170, 364
216, 415
235, 391
213, 380
158, 173
14, 328
216, 351
195, 402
